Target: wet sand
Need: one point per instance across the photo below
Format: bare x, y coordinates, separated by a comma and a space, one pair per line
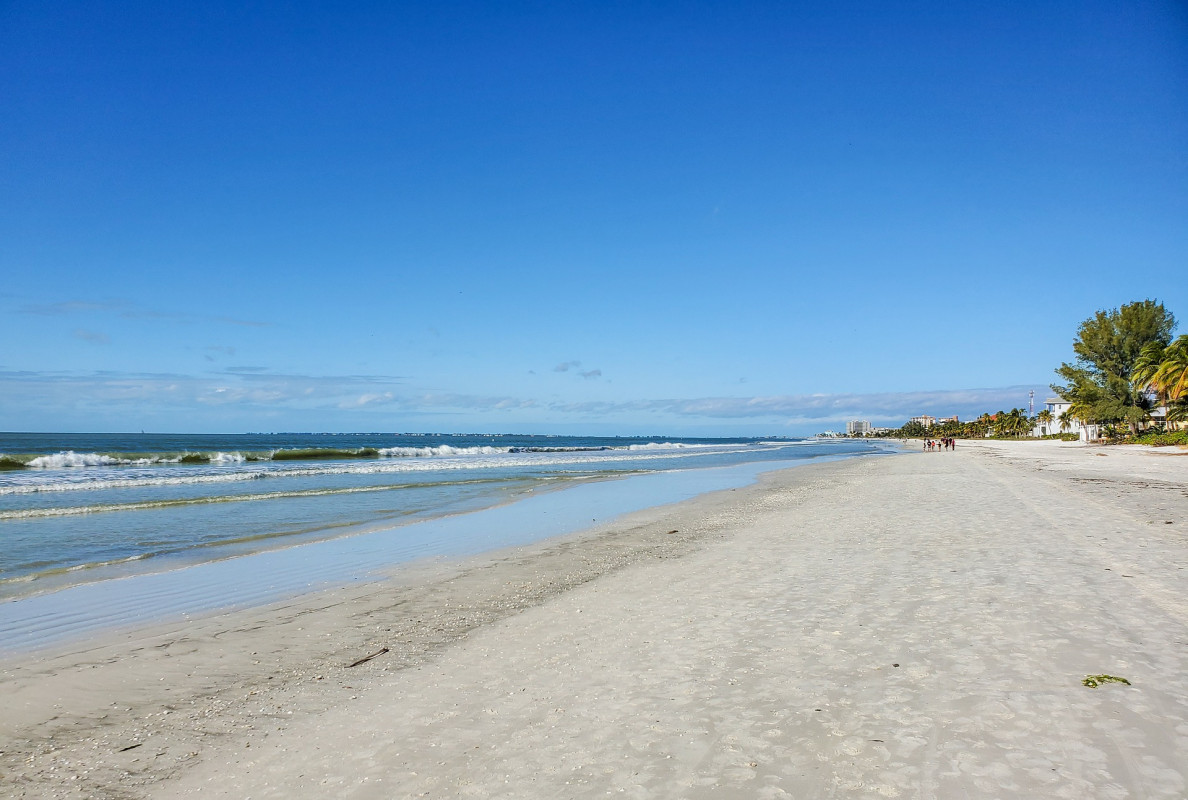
903, 626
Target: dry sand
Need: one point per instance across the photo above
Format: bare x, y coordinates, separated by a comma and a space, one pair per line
903, 626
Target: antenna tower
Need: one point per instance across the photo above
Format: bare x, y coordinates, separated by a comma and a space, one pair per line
1031, 403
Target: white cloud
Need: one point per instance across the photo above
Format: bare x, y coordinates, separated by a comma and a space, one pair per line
253, 393
369, 399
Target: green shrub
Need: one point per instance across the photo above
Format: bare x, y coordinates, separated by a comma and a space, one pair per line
1162, 438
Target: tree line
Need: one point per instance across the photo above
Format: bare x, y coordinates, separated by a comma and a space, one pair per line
1126, 366
1013, 423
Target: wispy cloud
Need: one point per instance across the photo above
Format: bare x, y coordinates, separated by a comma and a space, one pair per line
74, 307
94, 337
814, 406
566, 366
368, 399
246, 323
229, 387
125, 309
256, 391
213, 352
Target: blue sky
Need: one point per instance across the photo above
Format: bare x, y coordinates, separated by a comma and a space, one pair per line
689, 218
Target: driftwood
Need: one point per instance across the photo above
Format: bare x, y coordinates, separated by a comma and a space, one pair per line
365, 659
130, 747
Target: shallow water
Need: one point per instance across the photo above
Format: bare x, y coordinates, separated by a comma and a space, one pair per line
80, 509
82, 610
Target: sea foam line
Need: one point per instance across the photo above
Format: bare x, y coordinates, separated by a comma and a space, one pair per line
70, 459
379, 467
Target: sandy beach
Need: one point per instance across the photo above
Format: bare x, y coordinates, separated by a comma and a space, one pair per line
916, 626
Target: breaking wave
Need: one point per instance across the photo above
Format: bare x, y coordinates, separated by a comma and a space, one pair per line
70, 459
242, 467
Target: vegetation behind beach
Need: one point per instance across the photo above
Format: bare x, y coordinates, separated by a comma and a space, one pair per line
1126, 368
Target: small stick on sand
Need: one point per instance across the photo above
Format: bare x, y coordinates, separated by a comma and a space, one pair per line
365, 659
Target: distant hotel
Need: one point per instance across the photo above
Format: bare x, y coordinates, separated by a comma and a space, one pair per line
928, 421
858, 427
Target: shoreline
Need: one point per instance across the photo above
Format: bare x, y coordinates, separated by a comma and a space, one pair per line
127, 524
370, 553
751, 651
91, 702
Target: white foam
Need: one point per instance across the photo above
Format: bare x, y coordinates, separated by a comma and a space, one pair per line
442, 458
440, 450
70, 458
670, 446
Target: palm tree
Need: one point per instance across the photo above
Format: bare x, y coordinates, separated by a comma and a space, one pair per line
1081, 410
1147, 364
1171, 378
1146, 367
1044, 418
1017, 422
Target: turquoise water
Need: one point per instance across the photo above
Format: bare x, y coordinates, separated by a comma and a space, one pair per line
84, 508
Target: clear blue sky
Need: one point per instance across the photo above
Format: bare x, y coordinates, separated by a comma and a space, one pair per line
691, 218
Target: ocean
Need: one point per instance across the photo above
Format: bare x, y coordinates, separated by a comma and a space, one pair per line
84, 508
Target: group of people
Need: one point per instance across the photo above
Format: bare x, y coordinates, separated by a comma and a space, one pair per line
937, 444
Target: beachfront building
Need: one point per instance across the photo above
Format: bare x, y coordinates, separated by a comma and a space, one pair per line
1057, 407
858, 427
1063, 422
924, 420
1159, 420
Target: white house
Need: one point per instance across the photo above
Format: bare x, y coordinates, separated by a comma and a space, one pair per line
1063, 423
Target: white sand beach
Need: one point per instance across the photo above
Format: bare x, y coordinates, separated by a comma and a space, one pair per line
914, 626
